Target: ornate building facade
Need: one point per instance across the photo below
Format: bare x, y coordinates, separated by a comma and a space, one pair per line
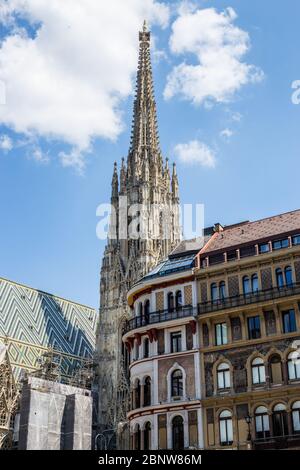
214, 342
144, 180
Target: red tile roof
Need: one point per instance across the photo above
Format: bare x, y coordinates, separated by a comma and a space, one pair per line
260, 230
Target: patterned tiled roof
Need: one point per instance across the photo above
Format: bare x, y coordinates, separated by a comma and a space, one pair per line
255, 231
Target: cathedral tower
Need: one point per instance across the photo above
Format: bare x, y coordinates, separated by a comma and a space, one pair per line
144, 180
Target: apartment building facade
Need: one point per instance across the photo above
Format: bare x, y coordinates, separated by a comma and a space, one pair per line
214, 342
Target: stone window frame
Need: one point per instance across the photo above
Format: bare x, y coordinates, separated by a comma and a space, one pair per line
227, 391
249, 361
172, 369
170, 417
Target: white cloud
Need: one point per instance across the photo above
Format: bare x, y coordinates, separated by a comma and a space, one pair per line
219, 47
39, 156
196, 152
67, 81
226, 133
6, 143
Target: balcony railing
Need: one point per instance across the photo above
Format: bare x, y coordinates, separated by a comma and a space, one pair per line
278, 442
248, 299
159, 317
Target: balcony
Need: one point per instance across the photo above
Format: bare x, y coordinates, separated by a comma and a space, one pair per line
159, 317
248, 299
280, 442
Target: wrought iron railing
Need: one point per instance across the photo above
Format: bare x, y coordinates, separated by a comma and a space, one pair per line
248, 299
277, 442
160, 316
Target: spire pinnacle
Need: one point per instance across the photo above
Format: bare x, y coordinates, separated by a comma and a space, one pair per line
144, 128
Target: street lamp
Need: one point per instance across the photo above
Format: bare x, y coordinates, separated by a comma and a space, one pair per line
248, 420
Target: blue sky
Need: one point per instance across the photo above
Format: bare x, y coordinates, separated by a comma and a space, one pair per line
54, 175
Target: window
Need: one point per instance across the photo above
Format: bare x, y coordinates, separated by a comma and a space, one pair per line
221, 333
177, 384
289, 321
136, 351
146, 348
147, 310
176, 343
262, 422
137, 438
137, 394
147, 392
246, 285
264, 248
214, 292
226, 430
178, 300
279, 278
171, 302
294, 365
254, 283
222, 290
296, 240
147, 436
254, 327
275, 369
223, 376
280, 427
258, 371
178, 433
288, 274
140, 309
279, 244
296, 417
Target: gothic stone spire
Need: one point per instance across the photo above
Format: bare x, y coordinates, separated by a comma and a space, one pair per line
144, 138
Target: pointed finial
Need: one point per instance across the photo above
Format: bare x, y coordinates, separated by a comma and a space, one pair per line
145, 27
174, 169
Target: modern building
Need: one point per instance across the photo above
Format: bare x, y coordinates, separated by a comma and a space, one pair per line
145, 179
214, 342
32, 322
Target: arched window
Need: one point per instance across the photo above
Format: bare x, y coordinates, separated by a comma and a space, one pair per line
226, 429
177, 384
178, 300
147, 436
170, 302
222, 290
258, 371
246, 285
279, 278
146, 348
280, 427
147, 392
136, 351
296, 417
262, 423
254, 283
288, 274
275, 369
294, 365
140, 309
214, 292
178, 433
137, 438
137, 394
147, 310
223, 376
